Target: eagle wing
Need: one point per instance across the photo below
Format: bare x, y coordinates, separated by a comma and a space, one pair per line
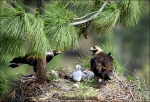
96, 66
107, 66
31, 60
27, 59
102, 65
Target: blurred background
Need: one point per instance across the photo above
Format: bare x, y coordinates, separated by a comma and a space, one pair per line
131, 45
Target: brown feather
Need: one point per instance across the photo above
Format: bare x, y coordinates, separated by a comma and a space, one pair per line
31, 59
101, 64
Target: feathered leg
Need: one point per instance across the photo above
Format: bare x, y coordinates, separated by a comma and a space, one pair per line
102, 83
35, 68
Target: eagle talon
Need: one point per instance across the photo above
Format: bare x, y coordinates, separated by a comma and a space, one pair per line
102, 83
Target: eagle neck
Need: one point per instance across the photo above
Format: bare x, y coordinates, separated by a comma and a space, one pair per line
49, 57
98, 52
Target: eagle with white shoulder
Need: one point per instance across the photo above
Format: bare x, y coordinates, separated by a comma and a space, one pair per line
101, 64
32, 60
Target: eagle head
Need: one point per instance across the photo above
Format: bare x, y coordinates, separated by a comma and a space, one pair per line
96, 49
56, 52
53, 53
78, 67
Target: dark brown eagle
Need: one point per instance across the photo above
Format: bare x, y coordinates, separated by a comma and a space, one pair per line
101, 64
32, 60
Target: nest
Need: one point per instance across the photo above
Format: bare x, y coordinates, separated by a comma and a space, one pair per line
118, 89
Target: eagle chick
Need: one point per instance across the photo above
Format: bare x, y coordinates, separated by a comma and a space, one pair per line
101, 64
32, 60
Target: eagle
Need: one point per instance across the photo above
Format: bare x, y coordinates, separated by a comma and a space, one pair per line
32, 60
101, 64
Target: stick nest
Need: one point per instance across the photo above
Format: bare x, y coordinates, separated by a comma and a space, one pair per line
118, 89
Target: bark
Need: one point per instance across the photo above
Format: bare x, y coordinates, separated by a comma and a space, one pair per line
41, 71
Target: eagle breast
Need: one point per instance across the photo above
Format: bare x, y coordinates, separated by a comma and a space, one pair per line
101, 64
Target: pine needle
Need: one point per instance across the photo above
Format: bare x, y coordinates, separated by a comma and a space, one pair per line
39, 42
106, 21
131, 12
61, 35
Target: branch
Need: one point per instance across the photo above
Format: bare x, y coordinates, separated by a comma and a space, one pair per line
92, 17
85, 15
40, 6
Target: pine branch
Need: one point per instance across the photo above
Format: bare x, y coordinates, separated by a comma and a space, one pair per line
92, 17
85, 15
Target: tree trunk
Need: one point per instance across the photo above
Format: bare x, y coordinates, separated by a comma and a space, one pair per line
41, 70
41, 62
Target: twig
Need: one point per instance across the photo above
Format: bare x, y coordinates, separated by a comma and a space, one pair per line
132, 95
8, 94
92, 17
20, 98
22, 92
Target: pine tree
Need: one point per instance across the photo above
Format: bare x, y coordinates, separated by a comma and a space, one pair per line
57, 24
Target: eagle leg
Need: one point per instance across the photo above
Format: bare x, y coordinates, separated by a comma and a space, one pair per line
102, 83
34, 68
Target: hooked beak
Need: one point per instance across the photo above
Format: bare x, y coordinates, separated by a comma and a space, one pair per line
59, 52
91, 49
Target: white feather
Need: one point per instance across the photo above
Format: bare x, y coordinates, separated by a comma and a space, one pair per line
49, 53
77, 76
84, 76
78, 67
90, 75
71, 75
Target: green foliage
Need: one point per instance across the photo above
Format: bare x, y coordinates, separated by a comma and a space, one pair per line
130, 12
19, 27
57, 27
64, 37
12, 30
129, 78
8, 46
79, 5
2, 2
51, 78
85, 60
3, 84
85, 91
123, 12
91, 82
106, 21
119, 68
52, 29
39, 41
109, 47
57, 14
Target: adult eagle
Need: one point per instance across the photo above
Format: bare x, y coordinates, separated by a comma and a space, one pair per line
101, 64
32, 60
